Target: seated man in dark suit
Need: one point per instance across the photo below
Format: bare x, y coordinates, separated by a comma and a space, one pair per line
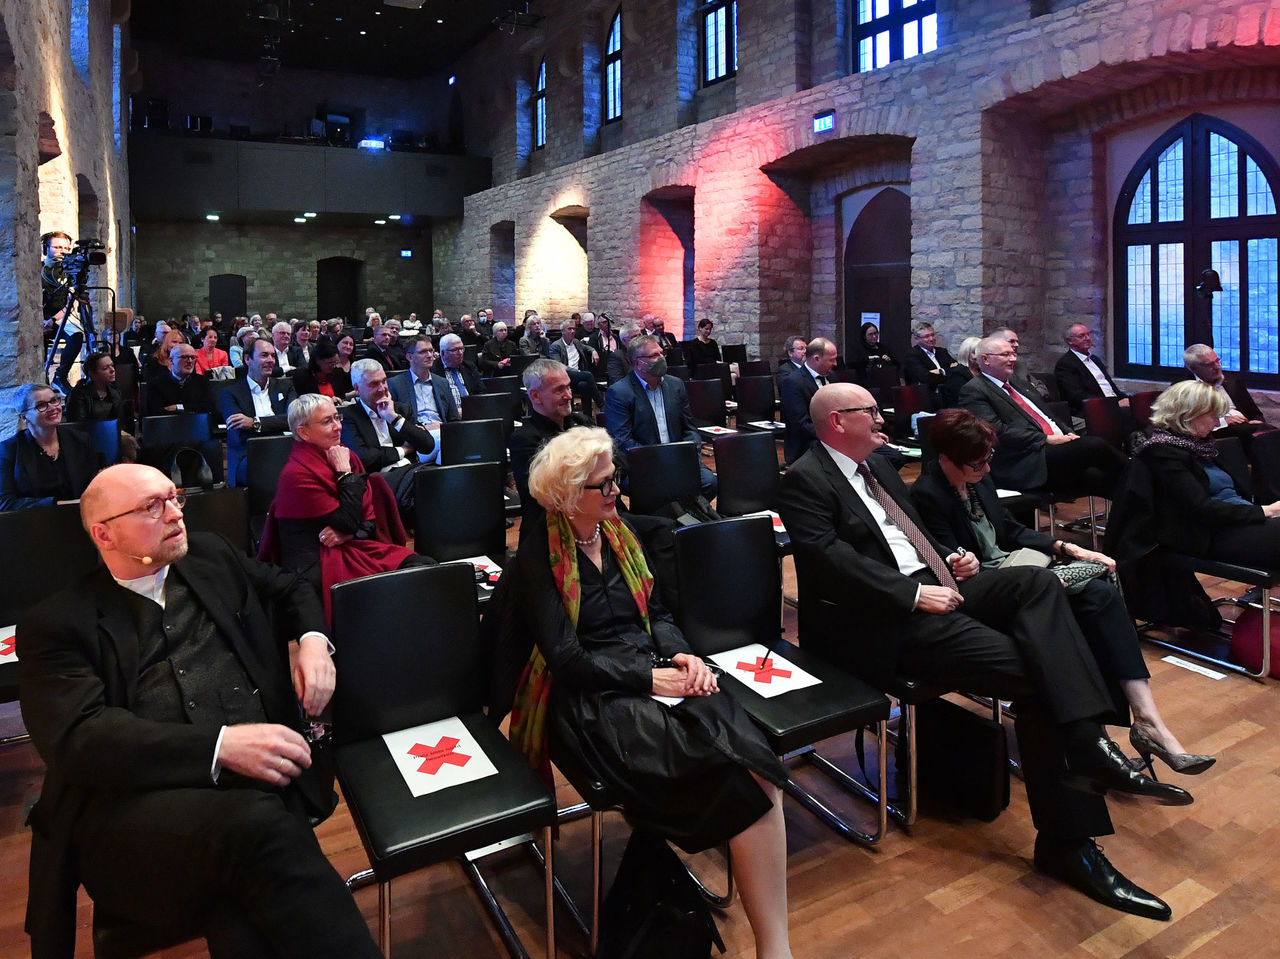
551, 398
1203, 364
926, 363
424, 392
385, 434
256, 404
380, 350
1036, 451
282, 337
798, 390
668, 340
647, 406
617, 366
879, 597
795, 347
180, 780
180, 389
1081, 375
461, 377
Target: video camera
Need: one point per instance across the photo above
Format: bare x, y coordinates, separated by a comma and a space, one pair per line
84, 254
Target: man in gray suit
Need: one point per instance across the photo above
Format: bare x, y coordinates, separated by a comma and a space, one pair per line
647, 406
424, 392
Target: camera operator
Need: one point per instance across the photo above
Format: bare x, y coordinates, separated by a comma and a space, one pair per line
55, 287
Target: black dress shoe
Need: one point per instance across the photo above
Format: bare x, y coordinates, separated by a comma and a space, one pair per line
1081, 865
1100, 766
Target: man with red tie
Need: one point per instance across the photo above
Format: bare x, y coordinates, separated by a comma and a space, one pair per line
1036, 451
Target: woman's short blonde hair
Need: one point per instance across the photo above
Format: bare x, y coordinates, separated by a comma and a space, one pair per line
1183, 402
560, 468
303, 410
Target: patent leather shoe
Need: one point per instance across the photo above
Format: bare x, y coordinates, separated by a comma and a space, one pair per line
1081, 865
1189, 764
1099, 766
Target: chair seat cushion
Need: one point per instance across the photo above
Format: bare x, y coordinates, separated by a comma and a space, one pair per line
402, 832
803, 716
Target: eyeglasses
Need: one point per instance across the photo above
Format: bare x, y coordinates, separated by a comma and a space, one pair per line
456, 349
981, 464
328, 420
613, 481
425, 352
44, 405
154, 507
872, 411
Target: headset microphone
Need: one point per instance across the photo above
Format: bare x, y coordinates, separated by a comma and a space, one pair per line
144, 560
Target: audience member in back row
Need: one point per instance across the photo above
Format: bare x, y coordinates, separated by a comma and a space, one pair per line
45, 462
254, 405
95, 396
331, 521
209, 357
157, 364
425, 392
181, 389
1187, 498
322, 374
1242, 413
702, 348
495, 355
551, 399
958, 501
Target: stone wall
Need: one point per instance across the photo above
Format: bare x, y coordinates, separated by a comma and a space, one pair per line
51, 112
175, 261
1001, 127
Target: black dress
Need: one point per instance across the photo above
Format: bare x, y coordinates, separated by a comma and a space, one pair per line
681, 770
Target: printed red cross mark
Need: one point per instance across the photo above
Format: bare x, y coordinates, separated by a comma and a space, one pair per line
433, 757
763, 670
6, 645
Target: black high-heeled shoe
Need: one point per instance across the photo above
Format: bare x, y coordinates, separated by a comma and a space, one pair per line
1189, 764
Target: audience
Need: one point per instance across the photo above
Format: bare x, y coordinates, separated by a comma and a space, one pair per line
698, 774
425, 392
926, 363
797, 391
495, 355
1081, 375
462, 378
322, 374
580, 360
331, 521
181, 389
282, 338
869, 354
346, 345
380, 350
534, 342
965, 367
44, 462
158, 363
1242, 413
95, 396
385, 435
240, 343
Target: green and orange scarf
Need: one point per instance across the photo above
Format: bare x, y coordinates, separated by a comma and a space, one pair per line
529, 710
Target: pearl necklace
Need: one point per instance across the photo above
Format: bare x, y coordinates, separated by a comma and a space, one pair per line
590, 539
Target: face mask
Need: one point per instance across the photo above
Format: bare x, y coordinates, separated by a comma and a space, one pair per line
658, 367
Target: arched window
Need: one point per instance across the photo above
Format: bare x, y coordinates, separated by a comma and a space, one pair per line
1202, 197
540, 107
613, 70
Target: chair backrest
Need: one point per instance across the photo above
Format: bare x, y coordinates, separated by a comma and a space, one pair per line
679, 371
103, 437
730, 585
470, 353
908, 401
661, 474
715, 371
734, 353
265, 458
224, 511
706, 402
747, 472
755, 398
473, 441
1102, 419
519, 363
676, 356
756, 368
490, 406
178, 429
1140, 406
511, 385
409, 650
459, 511
46, 548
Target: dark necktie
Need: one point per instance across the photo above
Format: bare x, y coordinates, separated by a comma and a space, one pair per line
822, 381
1030, 410
914, 534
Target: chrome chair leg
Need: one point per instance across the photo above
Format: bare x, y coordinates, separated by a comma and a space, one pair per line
842, 778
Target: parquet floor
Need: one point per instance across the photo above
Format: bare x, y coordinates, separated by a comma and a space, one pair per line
950, 889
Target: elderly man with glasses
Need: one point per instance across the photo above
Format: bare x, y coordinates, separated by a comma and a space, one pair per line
174, 724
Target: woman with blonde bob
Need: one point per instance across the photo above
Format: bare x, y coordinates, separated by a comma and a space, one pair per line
696, 772
1200, 508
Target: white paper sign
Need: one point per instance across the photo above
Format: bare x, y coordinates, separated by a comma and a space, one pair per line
438, 755
762, 671
8, 648
491, 569
716, 430
774, 518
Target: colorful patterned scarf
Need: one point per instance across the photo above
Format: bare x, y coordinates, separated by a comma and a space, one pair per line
529, 710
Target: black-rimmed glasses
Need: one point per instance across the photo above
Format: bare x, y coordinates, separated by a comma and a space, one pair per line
44, 405
872, 411
613, 481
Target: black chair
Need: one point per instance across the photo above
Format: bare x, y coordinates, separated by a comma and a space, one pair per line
738, 602
676, 356
265, 458
396, 676
755, 368
734, 353
512, 385
178, 429
747, 471
490, 406
679, 371
661, 474
46, 548
716, 371
907, 401
459, 511
224, 511
473, 441
756, 400
103, 437
1140, 406
470, 354
706, 402
519, 363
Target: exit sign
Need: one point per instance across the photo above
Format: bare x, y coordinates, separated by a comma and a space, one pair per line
824, 122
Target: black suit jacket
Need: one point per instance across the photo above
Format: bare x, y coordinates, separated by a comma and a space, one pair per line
387, 359
78, 663
1019, 461
1240, 397
629, 416
797, 390
236, 398
470, 376
19, 461
917, 368
359, 435
1076, 384
401, 387
843, 561
617, 366
195, 395
535, 429
947, 520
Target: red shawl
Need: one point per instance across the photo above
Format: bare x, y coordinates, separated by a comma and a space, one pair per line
308, 488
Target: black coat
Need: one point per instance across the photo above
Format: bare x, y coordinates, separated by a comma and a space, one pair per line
797, 392
1076, 384
948, 522
20, 487
1019, 461
360, 436
916, 368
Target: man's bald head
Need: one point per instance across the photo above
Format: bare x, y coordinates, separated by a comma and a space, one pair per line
116, 510
108, 492
843, 419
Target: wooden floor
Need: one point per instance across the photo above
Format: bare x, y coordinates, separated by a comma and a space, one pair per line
947, 888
